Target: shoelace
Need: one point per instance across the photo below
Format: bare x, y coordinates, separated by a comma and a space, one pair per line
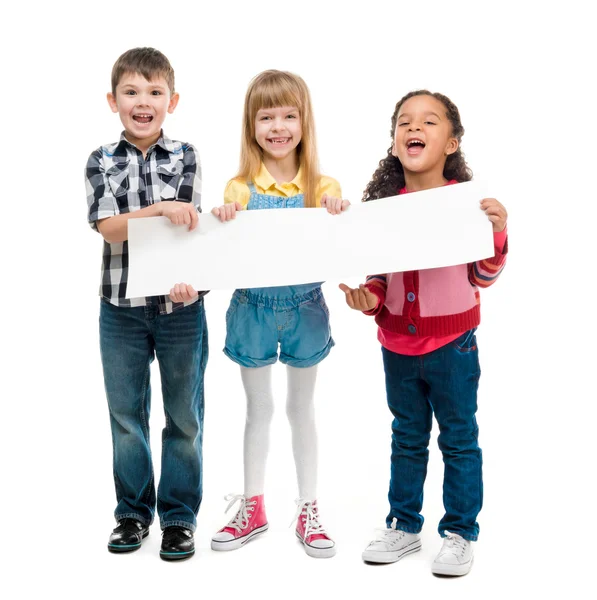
455, 541
389, 535
241, 519
310, 517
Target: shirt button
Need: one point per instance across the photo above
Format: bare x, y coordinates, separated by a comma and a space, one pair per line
412, 329
410, 297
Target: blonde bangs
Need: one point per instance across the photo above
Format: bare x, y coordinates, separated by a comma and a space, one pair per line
272, 93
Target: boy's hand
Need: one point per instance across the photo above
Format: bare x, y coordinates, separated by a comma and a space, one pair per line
182, 292
180, 213
226, 212
359, 298
334, 205
495, 212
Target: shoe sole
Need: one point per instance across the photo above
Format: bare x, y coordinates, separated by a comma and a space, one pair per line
316, 552
174, 556
452, 570
380, 557
123, 549
238, 542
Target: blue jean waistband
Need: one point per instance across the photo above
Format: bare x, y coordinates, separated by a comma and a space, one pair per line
278, 303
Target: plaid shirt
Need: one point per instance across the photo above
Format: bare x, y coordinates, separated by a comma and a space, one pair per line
118, 181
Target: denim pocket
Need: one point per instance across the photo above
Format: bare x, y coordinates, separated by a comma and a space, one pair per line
467, 342
234, 301
323, 305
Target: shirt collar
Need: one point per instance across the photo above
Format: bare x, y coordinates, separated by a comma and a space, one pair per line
265, 180
163, 142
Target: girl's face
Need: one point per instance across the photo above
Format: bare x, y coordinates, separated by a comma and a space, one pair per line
278, 131
423, 137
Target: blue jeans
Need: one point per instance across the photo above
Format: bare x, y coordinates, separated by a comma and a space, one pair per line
129, 339
443, 382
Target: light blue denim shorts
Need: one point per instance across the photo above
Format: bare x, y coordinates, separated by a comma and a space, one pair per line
257, 324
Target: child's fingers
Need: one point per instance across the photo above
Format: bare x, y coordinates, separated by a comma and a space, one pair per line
324, 200
238, 205
174, 293
215, 211
363, 299
369, 297
494, 209
348, 292
194, 218
189, 293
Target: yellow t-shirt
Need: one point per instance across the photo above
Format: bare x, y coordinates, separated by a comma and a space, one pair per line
238, 191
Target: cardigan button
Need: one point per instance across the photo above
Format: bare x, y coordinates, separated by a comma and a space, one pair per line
412, 329
410, 297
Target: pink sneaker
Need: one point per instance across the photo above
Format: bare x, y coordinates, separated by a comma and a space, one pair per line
249, 522
311, 532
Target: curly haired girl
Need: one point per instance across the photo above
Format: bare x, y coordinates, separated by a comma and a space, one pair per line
426, 325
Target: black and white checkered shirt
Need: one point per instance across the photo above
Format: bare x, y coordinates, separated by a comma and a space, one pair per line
119, 180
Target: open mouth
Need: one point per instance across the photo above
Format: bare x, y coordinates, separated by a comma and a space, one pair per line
279, 141
415, 146
142, 118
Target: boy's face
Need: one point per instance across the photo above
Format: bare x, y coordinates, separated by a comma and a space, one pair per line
142, 106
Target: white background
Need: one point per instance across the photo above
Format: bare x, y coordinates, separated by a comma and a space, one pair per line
521, 75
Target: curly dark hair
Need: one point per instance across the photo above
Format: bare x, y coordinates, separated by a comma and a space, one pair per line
389, 176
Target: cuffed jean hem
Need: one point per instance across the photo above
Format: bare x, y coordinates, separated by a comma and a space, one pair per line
305, 363
134, 516
467, 536
250, 363
184, 524
405, 528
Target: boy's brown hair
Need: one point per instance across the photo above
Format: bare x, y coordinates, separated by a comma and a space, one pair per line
149, 62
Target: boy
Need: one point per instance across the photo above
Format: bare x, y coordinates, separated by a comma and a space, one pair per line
146, 174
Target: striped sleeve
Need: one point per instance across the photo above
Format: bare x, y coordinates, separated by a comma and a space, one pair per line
377, 284
484, 273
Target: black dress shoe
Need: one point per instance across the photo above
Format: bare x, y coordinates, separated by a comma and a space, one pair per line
178, 543
127, 536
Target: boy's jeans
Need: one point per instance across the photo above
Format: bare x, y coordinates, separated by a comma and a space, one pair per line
443, 382
129, 338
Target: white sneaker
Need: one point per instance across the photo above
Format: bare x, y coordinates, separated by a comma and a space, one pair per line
455, 558
391, 545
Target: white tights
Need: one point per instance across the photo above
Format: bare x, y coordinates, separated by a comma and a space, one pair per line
301, 415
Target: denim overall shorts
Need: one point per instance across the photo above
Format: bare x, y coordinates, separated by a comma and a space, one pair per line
292, 320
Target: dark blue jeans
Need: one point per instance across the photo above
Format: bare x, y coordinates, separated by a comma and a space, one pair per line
443, 382
129, 339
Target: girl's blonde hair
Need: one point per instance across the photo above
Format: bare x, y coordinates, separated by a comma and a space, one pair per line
272, 89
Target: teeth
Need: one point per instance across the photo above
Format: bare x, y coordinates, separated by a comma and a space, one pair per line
415, 143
